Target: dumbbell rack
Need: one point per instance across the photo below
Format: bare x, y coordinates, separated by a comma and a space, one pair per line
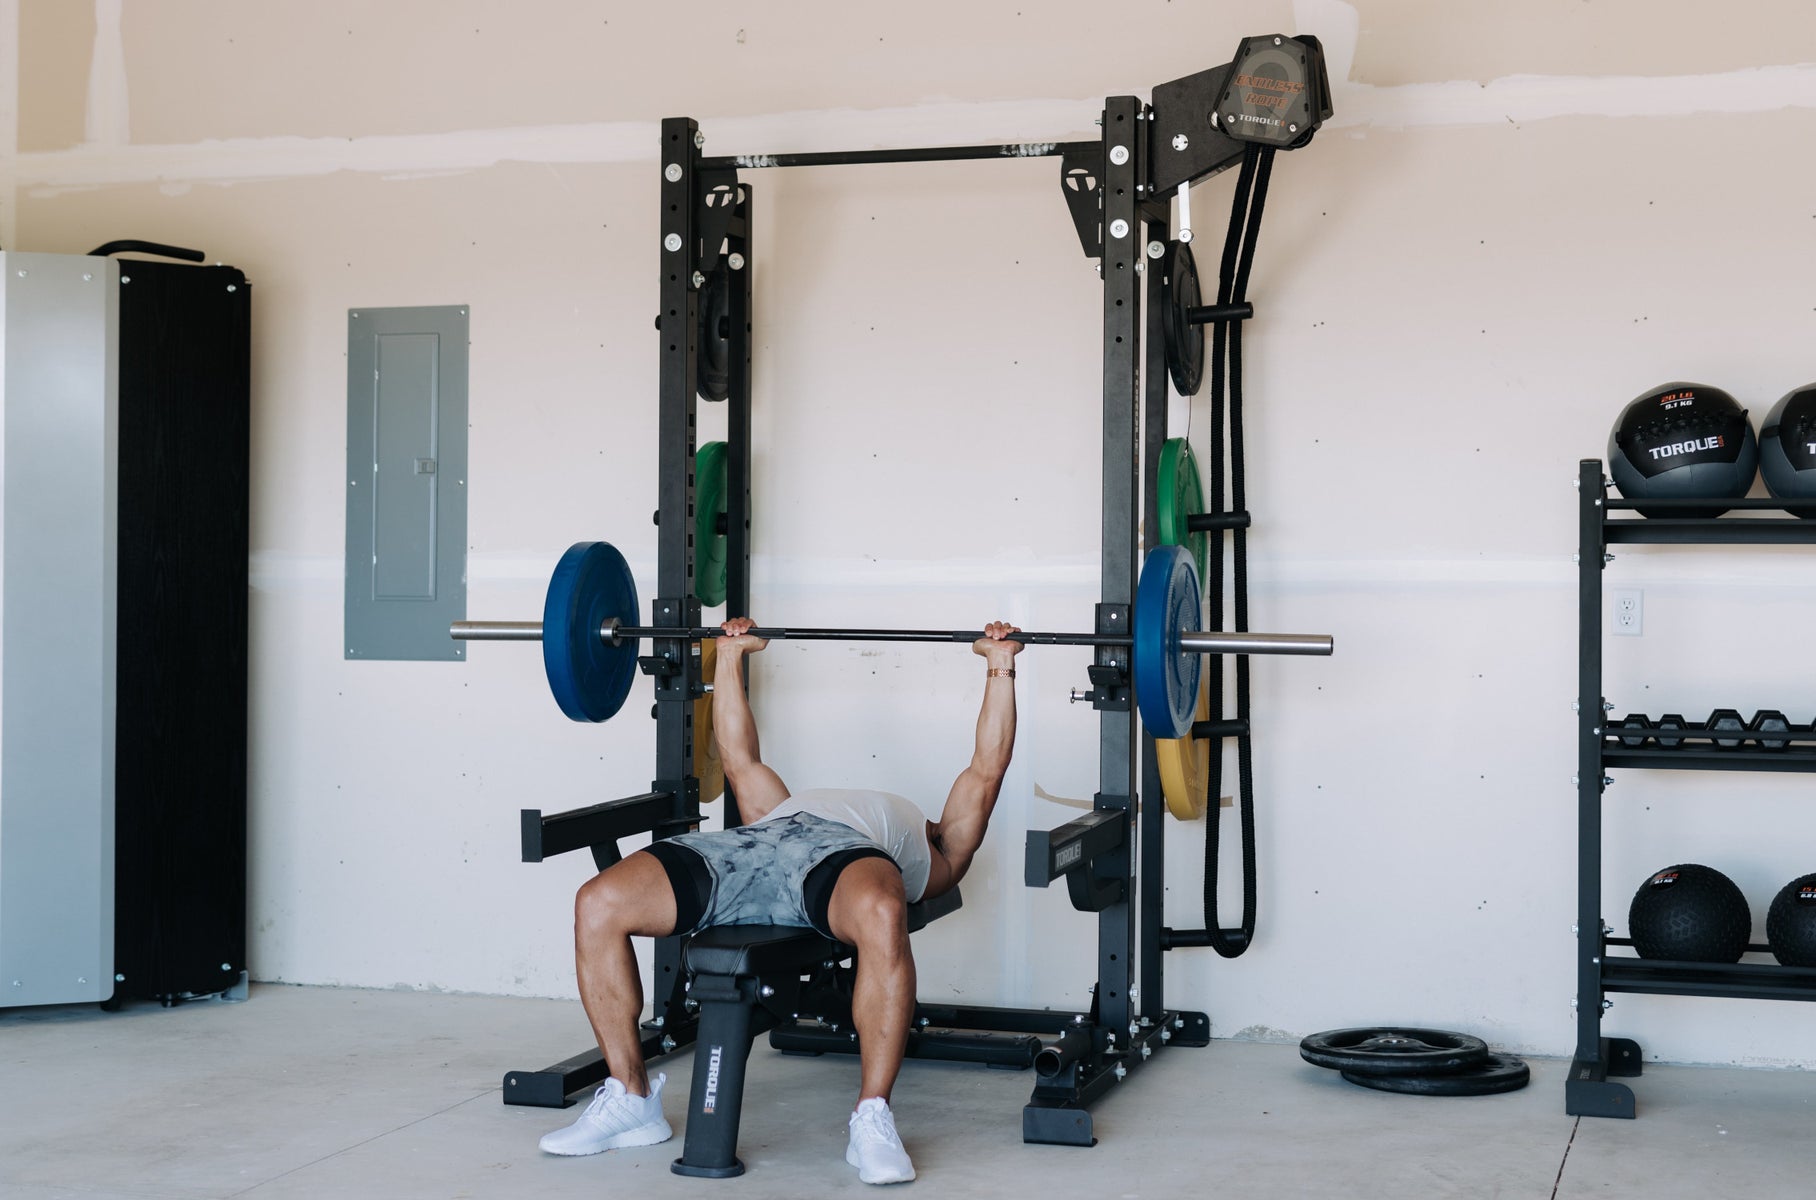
1589, 1091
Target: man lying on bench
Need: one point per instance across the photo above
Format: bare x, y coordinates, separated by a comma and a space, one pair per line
842, 862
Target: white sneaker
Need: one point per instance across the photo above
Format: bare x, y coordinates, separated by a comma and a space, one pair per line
876, 1149
614, 1120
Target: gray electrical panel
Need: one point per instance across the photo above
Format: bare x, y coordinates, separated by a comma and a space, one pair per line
59, 415
406, 481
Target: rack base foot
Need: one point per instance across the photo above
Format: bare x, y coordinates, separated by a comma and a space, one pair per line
1588, 1093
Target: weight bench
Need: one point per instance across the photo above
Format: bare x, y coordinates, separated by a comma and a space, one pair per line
744, 980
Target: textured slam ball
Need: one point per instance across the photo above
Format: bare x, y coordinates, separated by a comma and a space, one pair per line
1683, 441
1690, 913
1791, 923
1787, 447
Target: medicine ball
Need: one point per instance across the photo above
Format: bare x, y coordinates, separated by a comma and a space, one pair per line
1791, 923
1690, 913
1683, 441
1787, 446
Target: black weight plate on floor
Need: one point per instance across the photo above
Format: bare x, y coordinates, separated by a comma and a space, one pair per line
1389, 1050
1185, 341
714, 360
1496, 1073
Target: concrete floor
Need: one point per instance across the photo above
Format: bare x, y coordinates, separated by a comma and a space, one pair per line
324, 1092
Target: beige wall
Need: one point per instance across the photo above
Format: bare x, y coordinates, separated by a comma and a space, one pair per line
1522, 216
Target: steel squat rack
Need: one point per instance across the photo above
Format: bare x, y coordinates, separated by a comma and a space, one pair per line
1120, 190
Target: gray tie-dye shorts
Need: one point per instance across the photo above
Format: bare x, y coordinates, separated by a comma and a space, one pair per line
759, 872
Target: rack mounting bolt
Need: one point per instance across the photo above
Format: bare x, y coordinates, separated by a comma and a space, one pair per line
1607, 707
1119, 155
1607, 781
766, 991
1180, 141
659, 1022
672, 242
1576, 706
1607, 929
1574, 929
668, 1043
699, 139
1119, 228
1576, 558
672, 172
1166, 1035
1607, 558
1607, 1004
1122, 1072
735, 262
699, 280
1156, 248
1147, 1051
1178, 1022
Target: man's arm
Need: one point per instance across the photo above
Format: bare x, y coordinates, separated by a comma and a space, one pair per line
956, 836
757, 788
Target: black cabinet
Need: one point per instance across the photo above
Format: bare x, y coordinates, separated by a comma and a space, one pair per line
1606, 963
180, 780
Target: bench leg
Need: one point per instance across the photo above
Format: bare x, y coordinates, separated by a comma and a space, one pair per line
716, 1101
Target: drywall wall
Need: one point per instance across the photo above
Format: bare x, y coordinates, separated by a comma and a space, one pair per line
1519, 219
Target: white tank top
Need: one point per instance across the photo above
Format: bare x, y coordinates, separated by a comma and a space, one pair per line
895, 824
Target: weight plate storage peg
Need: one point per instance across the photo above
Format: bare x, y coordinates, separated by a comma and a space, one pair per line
588, 675
1496, 1073
1392, 1050
710, 491
1167, 603
1181, 497
1178, 297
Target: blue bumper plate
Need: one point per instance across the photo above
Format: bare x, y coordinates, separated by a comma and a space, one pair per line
588, 675
1167, 604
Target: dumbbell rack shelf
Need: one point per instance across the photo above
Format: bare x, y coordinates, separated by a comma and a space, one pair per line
1600, 747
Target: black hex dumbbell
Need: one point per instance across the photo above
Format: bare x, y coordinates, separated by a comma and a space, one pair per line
1670, 721
1726, 719
1634, 721
1770, 720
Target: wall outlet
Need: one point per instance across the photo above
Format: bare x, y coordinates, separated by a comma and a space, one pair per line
1629, 615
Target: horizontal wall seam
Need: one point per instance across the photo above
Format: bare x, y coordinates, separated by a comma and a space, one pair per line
1516, 99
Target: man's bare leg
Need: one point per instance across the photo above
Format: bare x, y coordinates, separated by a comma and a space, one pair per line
868, 911
630, 898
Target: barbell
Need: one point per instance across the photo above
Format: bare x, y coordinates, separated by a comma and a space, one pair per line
589, 636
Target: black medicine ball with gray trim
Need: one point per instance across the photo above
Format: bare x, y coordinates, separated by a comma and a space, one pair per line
1787, 446
1683, 441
